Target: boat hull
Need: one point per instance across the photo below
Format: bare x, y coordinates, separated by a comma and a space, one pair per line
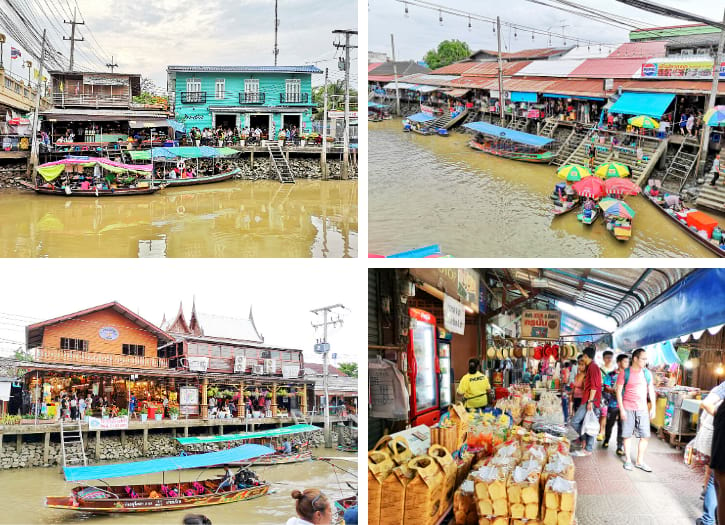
278, 459
561, 210
122, 506
173, 183
122, 192
590, 220
539, 158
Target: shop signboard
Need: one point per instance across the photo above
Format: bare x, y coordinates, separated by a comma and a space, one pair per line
454, 315
540, 324
683, 68
290, 371
428, 110
108, 333
198, 364
188, 395
461, 283
341, 114
108, 423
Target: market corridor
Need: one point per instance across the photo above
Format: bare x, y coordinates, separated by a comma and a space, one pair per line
608, 494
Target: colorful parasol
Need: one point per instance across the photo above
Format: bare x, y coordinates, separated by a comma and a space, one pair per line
715, 116
620, 187
591, 187
573, 172
617, 208
611, 169
643, 121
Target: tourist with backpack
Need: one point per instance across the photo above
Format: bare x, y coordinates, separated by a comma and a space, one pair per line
633, 387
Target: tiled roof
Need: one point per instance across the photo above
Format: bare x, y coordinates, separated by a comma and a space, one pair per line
543, 52
244, 69
316, 368
490, 69
428, 80
651, 48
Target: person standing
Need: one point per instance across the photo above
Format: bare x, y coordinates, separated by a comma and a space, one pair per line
703, 443
577, 384
633, 386
609, 366
610, 392
715, 170
593, 397
474, 387
166, 405
82, 407
690, 124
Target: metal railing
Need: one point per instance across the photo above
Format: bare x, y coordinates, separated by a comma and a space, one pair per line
193, 97
294, 98
252, 98
94, 100
79, 357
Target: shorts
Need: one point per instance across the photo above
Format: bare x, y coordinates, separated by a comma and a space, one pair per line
637, 424
604, 410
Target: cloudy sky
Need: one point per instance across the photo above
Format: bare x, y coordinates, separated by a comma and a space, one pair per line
145, 37
421, 30
282, 295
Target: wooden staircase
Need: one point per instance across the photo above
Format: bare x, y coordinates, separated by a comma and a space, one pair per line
71, 443
518, 124
680, 166
548, 128
573, 143
280, 164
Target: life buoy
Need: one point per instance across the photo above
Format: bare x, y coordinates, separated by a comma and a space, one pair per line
180, 164
181, 210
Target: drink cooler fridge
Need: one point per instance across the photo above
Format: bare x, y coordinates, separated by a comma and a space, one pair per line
423, 369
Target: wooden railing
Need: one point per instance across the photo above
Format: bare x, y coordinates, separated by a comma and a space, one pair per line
78, 357
91, 100
193, 97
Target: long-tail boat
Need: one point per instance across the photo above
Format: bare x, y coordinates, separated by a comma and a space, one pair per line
509, 143
103, 498
179, 154
301, 448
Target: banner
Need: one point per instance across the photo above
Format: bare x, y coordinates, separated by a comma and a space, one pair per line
198, 364
188, 395
540, 324
684, 68
109, 423
454, 315
458, 283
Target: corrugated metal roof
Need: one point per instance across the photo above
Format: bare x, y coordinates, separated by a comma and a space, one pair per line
244, 69
671, 86
428, 80
608, 68
574, 87
522, 84
228, 328
651, 48
542, 52
490, 69
458, 68
373, 65
550, 68
590, 51
381, 78
403, 68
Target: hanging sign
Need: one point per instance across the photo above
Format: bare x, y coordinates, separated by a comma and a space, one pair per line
683, 68
109, 423
188, 395
198, 364
108, 333
454, 315
540, 324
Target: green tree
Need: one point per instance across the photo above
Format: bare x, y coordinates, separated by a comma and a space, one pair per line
348, 368
335, 97
448, 52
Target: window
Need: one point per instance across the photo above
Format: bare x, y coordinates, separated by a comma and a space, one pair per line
686, 52
134, 350
703, 51
219, 89
67, 343
193, 92
8, 83
193, 85
292, 88
251, 85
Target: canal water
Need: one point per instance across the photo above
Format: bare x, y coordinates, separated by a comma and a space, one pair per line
229, 219
24, 492
436, 190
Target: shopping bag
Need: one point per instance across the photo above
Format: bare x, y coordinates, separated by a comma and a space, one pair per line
590, 426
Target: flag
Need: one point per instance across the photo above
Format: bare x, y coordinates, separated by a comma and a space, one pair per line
61, 86
36, 73
15, 53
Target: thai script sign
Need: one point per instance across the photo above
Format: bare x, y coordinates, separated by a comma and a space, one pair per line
109, 423
104, 80
454, 315
681, 68
341, 114
428, 110
540, 324
198, 364
188, 395
108, 333
458, 283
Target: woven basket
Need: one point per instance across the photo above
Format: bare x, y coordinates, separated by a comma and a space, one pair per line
448, 468
423, 494
400, 451
379, 467
393, 496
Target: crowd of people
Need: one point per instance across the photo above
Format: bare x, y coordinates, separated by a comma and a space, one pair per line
221, 136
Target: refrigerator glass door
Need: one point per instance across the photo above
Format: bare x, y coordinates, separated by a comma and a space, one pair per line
425, 380
444, 358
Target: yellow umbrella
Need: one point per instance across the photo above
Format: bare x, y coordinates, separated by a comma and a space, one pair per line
612, 169
573, 172
643, 121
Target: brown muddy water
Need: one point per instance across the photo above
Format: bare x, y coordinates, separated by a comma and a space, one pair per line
24, 492
436, 190
229, 219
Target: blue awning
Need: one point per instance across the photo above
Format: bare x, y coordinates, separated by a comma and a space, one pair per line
650, 104
420, 117
581, 330
523, 96
695, 303
661, 354
152, 466
555, 95
508, 134
178, 126
275, 432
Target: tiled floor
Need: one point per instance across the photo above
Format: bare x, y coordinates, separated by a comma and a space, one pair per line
610, 495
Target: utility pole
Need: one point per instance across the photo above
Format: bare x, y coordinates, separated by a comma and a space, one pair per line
112, 65
705, 138
324, 132
501, 95
73, 38
326, 311
276, 31
33, 161
395, 75
346, 145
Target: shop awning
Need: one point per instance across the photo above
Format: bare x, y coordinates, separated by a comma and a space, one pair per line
456, 93
689, 302
580, 331
154, 466
420, 117
178, 126
275, 432
155, 123
401, 85
650, 104
523, 96
426, 89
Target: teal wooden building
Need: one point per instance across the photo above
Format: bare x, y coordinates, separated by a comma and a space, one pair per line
267, 97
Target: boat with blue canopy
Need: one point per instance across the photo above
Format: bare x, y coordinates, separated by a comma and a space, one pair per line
419, 123
510, 143
144, 497
170, 164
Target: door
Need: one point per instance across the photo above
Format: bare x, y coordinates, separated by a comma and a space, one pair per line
423, 368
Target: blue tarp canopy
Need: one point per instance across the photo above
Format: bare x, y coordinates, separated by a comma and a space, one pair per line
508, 134
376, 105
420, 117
152, 466
694, 303
578, 97
650, 104
275, 432
573, 326
178, 126
523, 96
661, 354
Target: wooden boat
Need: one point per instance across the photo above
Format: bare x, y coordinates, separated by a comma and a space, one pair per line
210, 179
279, 459
562, 208
621, 232
714, 248
343, 504
509, 143
343, 448
111, 499
524, 156
588, 220
118, 192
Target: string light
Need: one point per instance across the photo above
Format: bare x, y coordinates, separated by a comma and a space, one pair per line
440, 17
719, 369
515, 34
469, 23
532, 35
493, 27
406, 10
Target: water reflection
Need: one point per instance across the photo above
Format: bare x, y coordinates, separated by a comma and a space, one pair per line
433, 190
231, 219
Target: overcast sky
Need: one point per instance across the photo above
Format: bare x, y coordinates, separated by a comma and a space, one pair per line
145, 37
282, 294
421, 31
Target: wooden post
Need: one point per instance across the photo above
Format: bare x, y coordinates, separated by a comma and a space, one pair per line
274, 400
1, 441
221, 430
173, 432
46, 448
241, 406
251, 159
18, 442
204, 401
98, 444
186, 431
123, 437
145, 440
303, 401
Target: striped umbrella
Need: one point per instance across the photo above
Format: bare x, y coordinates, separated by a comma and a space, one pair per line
612, 169
591, 187
573, 172
614, 207
643, 121
715, 116
620, 187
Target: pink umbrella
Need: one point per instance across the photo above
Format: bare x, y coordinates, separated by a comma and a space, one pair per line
621, 187
592, 187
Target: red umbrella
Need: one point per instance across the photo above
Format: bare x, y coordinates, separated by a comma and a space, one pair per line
592, 187
620, 187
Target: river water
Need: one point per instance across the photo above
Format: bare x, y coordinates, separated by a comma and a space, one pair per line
229, 219
436, 190
24, 492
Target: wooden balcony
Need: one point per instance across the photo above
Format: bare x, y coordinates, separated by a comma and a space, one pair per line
62, 100
78, 357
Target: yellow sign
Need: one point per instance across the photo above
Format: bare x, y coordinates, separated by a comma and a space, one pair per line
540, 324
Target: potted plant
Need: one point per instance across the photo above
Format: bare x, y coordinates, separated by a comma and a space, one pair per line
174, 413
281, 137
158, 416
144, 413
123, 412
303, 140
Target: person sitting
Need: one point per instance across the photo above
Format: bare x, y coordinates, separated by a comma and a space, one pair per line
85, 185
286, 447
227, 481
